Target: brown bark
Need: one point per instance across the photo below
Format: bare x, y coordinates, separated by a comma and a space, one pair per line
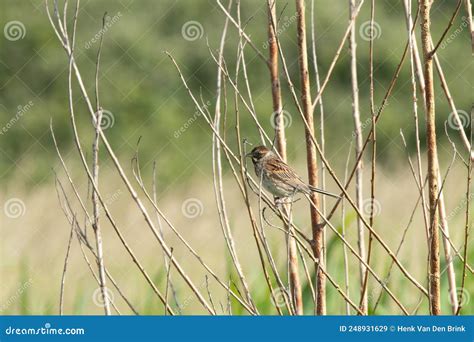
434, 269
280, 145
318, 241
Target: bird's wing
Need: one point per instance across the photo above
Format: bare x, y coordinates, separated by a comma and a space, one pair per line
280, 171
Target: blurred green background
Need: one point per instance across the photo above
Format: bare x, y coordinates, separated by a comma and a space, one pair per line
141, 89
140, 86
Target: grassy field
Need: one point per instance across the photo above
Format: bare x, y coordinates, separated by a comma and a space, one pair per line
146, 101
34, 247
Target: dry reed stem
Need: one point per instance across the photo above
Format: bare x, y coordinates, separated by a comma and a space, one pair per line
374, 146
343, 233
280, 139
109, 217
280, 142
384, 101
358, 147
240, 161
95, 173
434, 271
217, 173
71, 217
466, 232
243, 187
308, 111
160, 227
63, 277
65, 42
336, 179
416, 68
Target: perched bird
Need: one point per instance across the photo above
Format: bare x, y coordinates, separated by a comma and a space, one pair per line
277, 177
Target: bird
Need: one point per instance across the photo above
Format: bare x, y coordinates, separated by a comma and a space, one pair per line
277, 177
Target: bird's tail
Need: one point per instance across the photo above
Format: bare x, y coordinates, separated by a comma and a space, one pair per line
314, 189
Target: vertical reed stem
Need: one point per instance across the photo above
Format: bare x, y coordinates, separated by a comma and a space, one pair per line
434, 269
318, 232
280, 144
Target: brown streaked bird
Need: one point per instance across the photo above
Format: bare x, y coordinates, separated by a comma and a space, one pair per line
277, 177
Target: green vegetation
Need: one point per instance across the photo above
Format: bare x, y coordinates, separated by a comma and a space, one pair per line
140, 87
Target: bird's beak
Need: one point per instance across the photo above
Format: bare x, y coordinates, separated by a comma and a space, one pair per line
248, 155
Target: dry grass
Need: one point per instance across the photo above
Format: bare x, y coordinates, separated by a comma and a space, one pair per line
33, 246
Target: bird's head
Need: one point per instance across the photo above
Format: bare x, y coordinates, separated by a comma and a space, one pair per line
258, 153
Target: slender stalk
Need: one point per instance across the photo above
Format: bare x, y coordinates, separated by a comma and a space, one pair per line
466, 233
343, 233
358, 149
468, 5
280, 139
280, 144
65, 42
374, 144
321, 117
217, 170
307, 108
416, 68
63, 277
95, 175
434, 271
